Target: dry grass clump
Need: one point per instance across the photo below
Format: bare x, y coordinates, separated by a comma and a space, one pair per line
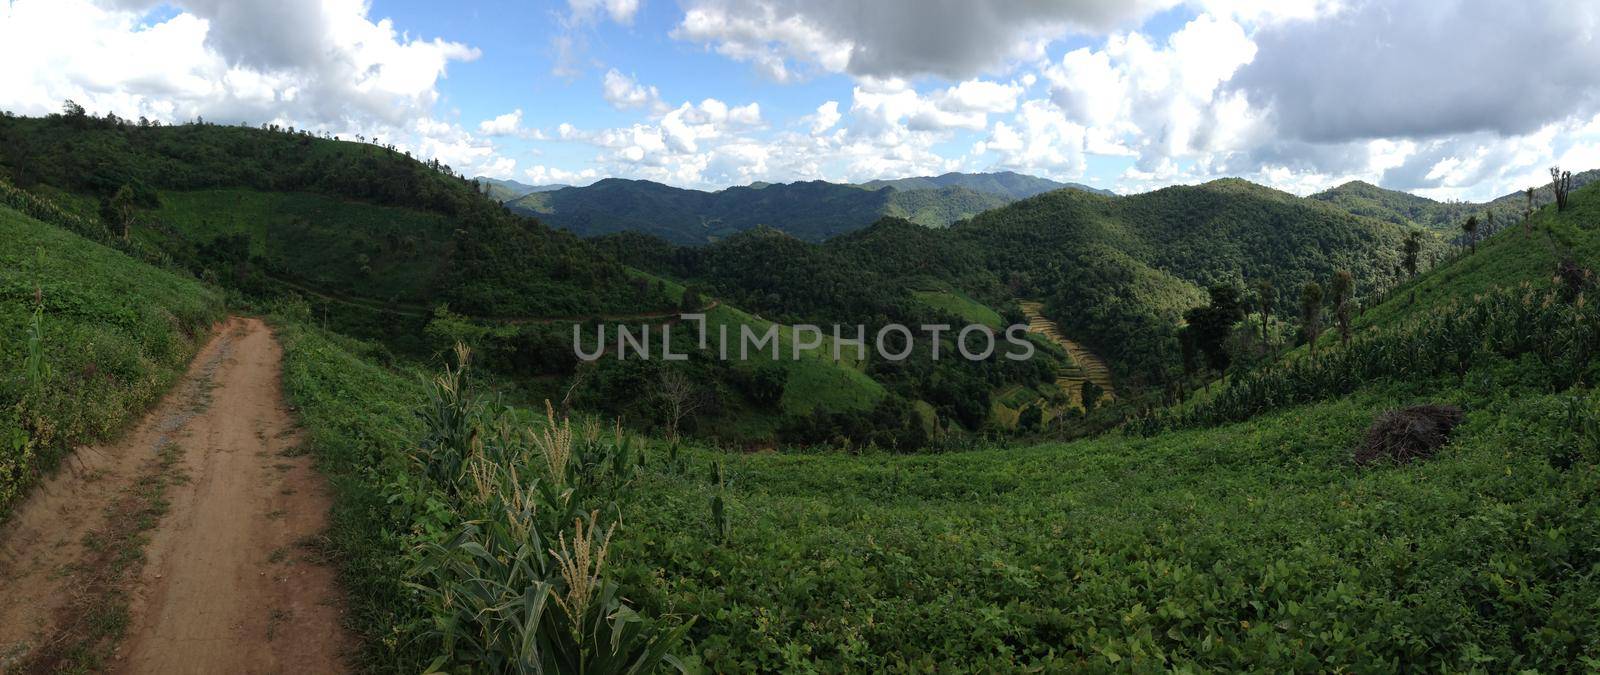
1408, 434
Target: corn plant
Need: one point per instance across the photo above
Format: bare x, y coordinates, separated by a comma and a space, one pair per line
450, 416
503, 595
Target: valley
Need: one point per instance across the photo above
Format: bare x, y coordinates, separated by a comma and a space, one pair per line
283, 401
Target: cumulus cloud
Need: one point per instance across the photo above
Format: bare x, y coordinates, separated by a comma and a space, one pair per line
826, 116
955, 39
326, 65
623, 92
1426, 69
1159, 102
338, 69
504, 125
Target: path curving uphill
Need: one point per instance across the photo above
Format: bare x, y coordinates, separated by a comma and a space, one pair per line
1086, 366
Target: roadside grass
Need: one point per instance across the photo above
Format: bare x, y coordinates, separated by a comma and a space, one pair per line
115, 333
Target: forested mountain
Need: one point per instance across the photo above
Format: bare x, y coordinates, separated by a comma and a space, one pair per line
507, 190
1117, 273
1403, 208
1003, 183
812, 210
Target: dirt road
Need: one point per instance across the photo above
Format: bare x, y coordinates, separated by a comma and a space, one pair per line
190, 546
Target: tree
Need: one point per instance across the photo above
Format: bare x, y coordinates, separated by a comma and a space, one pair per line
1311, 313
1561, 184
1342, 286
1030, 418
1471, 229
1527, 216
1413, 249
1210, 326
1090, 393
680, 399
1265, 295
118, 211
692, 300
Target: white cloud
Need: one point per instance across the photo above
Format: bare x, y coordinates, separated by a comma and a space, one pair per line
509, 124
1039, 140
620, 11
1426, 69
623, 92
338, 69
896, 38
545, 175
826, 116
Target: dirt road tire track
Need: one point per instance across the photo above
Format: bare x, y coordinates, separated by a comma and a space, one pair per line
231, 580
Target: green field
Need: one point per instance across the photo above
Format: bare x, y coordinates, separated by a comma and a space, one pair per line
956, 304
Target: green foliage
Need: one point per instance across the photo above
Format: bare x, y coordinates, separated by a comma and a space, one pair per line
1253, 546
88, 338
811, 210
1003, 183
355, 221
1401, 208
453, 521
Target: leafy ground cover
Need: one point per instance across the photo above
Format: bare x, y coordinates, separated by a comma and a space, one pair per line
89, 338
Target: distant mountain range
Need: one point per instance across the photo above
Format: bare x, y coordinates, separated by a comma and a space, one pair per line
507, 190
817, 210
1004, 183
809, 210
1404, 208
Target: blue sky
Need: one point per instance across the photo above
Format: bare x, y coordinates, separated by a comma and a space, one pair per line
521, 68
1129, 95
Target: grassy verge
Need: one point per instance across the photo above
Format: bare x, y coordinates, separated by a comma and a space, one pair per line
360, 421
89, 339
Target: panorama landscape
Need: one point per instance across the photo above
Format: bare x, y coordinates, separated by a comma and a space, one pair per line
799, 336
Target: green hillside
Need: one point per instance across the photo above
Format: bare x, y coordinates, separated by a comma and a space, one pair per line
1003, 183
1257, 543
507, 190
1117, 273
89, 337
358, 219
939, 207
811, 211
1366, 199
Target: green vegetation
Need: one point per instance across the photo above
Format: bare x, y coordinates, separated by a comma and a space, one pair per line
1235, 530
956, 304
88, 339
1003, 183
1400, 208
811, 211
250, 204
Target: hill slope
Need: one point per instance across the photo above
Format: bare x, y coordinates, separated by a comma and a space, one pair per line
254, 206
1117, 273
1366, 199
1245, 545
112, 334
812, 211
1003, 183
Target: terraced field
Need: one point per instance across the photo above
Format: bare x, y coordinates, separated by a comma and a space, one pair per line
1085, 364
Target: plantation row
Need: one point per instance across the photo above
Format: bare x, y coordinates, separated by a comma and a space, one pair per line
1553, 335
